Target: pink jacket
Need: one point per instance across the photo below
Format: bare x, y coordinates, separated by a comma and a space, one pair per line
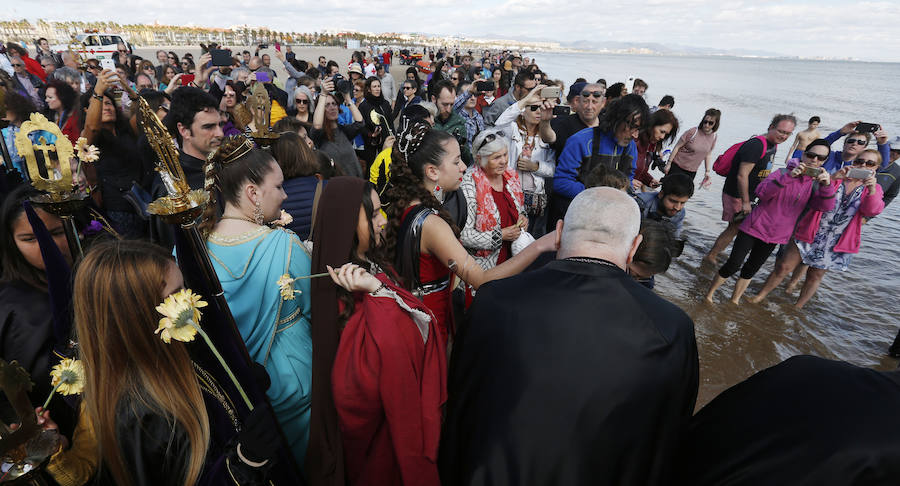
871, 205
782, 199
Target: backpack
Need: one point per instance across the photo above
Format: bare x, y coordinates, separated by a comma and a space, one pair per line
723, 163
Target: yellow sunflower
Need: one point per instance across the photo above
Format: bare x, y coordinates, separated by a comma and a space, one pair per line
67, 377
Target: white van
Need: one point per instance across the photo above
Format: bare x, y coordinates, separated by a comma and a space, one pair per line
97, 45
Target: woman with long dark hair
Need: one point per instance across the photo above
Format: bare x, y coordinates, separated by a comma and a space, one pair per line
120, 163
661, 130
378, 348
159, 417
421, 238
375, 135
63, 108
299, 165
334, 139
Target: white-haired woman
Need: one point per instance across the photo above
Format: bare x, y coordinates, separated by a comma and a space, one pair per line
302, 100
494, 199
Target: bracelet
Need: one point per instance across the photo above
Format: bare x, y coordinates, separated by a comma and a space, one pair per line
379, 289
96, 96
248, 461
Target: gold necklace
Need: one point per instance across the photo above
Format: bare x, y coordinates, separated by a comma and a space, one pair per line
240, 218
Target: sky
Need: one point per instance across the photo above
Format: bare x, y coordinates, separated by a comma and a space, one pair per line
865, 30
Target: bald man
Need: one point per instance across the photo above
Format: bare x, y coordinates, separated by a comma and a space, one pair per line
572, 374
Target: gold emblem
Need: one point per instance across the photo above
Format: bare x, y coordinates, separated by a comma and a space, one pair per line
58, 169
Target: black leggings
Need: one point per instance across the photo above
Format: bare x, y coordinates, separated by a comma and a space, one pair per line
759, 252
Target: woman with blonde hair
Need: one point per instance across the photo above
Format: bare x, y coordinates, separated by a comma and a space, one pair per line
152, 406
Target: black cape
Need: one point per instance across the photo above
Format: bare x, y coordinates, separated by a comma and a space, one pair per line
806, 421
571, 374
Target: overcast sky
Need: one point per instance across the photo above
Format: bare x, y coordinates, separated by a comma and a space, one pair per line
868, 30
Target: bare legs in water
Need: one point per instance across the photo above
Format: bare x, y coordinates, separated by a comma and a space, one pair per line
722, 242
789, 262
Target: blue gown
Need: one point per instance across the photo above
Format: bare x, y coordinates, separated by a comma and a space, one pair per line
276, 331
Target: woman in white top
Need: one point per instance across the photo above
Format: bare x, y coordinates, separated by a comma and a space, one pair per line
526, 125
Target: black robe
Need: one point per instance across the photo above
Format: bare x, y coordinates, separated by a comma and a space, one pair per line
806, 421
571, 374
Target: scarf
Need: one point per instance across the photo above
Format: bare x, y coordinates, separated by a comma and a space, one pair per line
487, 216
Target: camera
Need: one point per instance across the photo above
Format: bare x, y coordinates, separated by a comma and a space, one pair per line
657, 162
484, 86
341, 85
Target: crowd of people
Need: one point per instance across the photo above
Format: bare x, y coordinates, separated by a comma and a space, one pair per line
414, 270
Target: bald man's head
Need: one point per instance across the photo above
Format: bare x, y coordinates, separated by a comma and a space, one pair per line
601, 218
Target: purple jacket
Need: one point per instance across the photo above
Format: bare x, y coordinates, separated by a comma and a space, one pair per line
782, 199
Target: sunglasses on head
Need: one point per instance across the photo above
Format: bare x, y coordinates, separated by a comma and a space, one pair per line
488, 139
866, 162
302, 102
815, 156
857, 141
595, 94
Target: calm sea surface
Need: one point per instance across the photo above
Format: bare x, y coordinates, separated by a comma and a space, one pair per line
855, 315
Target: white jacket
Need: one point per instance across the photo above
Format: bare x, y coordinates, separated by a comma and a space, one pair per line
542, 152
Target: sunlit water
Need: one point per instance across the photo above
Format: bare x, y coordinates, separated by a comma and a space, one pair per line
854, 316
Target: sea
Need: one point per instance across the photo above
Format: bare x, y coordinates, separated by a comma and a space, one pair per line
855, 315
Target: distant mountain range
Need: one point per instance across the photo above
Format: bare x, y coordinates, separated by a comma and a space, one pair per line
654, 47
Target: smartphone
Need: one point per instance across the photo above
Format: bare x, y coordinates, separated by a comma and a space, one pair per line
108, 64
561, 110
484, 86
278, 46
867, 127
187, 79
220, 57
857, 173
550, 93
812, 171
263, 77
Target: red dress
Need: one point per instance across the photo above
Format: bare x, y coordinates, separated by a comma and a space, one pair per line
440, 302
509, 216
390, 382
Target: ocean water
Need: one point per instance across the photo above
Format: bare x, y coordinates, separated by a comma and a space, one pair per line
855, 314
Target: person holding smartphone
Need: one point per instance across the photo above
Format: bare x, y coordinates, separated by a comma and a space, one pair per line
827, 239
783, 196
859, 135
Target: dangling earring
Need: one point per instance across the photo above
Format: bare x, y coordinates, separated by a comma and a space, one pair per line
439, 194
258, 214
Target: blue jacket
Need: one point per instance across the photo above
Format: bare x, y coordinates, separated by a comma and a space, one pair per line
575, 160
836, 162
299, 203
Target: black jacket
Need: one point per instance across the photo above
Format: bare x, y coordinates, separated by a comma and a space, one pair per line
573, 374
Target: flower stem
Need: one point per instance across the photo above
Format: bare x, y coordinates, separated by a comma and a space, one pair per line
47, 402
312, 276
215, 351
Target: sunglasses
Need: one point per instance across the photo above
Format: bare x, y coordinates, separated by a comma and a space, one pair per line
164, 108
18, 65
93, 66
815, 156
866, 162
857, 141
534, 107
302, 102
488, 139
710, 123
595, 94
409, 88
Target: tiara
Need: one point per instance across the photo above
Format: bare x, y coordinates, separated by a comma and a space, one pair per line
411, 136
232, 148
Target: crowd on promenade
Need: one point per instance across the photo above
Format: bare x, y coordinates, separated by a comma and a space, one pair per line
439, 277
